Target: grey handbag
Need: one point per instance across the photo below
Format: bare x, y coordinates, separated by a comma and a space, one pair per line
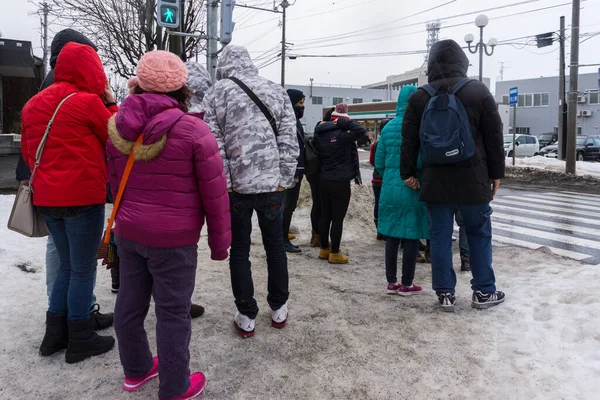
25, 217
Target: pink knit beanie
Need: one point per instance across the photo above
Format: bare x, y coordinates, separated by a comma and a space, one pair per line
341, 111
160, 72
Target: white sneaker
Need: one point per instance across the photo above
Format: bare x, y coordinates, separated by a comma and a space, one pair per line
279, 317
244, 325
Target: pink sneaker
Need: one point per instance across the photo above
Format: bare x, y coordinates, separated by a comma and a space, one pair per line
393, 288
133, 384
198, 383
409, 290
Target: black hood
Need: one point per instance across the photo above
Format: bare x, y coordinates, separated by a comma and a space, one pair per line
447, 60
62, 38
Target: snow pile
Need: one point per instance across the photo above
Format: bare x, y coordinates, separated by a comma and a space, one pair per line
584, 168
346, 339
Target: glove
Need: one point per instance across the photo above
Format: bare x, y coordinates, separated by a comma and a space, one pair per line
358, 180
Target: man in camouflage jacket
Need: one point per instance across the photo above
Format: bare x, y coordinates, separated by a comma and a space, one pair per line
259, 165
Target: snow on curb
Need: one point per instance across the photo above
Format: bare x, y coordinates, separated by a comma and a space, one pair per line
584, 168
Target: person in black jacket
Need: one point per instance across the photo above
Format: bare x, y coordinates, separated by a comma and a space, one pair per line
292, 195
315, 189
468, 185
334, 141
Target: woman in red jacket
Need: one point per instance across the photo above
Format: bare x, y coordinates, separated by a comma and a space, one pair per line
70, 191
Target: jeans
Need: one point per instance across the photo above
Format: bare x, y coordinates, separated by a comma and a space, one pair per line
409, 260
335, 199
291, 201
315, 211
463, 242
377, 194
52, 267
478, 225
169, 276
269, 209
77, 240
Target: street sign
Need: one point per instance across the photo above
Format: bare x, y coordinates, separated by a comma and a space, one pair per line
514, 96
168, 14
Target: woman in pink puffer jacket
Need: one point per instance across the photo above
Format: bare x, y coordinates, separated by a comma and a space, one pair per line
176, 183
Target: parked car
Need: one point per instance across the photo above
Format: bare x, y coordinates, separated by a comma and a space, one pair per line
525, 146
546, 139
588, 149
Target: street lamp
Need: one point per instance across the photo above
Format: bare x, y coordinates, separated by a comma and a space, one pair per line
481, 22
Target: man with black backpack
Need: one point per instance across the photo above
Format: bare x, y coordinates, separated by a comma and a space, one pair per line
454, 123
254, 123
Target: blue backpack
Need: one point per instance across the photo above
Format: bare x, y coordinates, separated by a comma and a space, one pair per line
446, 135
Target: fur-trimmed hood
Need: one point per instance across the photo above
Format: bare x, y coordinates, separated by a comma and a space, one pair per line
144, 152
151, 115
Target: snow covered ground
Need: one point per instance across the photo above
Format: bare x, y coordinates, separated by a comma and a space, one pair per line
346, 338
584, 168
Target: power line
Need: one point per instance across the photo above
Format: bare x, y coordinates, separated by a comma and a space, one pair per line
332, 44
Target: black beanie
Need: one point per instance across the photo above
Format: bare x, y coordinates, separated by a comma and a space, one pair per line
295, 95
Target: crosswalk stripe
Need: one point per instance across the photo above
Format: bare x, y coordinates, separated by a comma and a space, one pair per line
534, 246
549, 224
549, 215
518, 207
551, 202
580, 194
557, 237
562, 200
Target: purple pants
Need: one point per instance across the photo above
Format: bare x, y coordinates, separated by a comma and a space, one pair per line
168, 275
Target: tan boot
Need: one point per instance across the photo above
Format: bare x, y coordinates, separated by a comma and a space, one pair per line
324, 254
315, 240
291, 236
337, 259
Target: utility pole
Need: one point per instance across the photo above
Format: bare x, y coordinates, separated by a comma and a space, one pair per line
45, 11
573, 91
175, 41
212, 41
562, 104
284, 5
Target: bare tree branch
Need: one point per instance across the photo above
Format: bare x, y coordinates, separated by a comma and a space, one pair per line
124, 30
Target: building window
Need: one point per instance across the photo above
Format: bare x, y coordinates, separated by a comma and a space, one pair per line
317, 100
377, 100
534, 100
594, 96
337, 100
357, 101
522, 130
579, 131
505, 99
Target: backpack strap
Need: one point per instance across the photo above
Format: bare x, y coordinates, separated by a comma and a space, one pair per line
459, 85
429, 89
258, 102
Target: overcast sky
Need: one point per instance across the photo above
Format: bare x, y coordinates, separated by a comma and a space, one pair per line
329, 27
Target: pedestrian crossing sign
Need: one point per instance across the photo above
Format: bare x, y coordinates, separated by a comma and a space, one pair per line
168, 13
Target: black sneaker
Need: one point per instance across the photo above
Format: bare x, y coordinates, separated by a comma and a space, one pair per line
486, 300
196, 311
290, 248
447, 301
101, 321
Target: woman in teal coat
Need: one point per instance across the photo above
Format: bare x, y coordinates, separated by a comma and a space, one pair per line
401, 214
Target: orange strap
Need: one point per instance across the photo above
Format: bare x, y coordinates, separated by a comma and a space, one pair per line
122, 185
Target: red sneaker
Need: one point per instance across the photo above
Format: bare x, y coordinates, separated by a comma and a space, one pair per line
409, 290
133, 384
392, 288
198, 383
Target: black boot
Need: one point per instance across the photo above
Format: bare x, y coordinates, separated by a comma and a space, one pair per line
57, 334
115, 275
101, 321
196, 311
84, 342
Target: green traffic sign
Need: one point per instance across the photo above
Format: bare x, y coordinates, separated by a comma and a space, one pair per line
168, 16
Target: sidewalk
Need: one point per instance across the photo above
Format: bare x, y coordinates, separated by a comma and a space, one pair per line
8, 164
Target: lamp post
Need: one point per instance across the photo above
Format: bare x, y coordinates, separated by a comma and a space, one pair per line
481, 22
